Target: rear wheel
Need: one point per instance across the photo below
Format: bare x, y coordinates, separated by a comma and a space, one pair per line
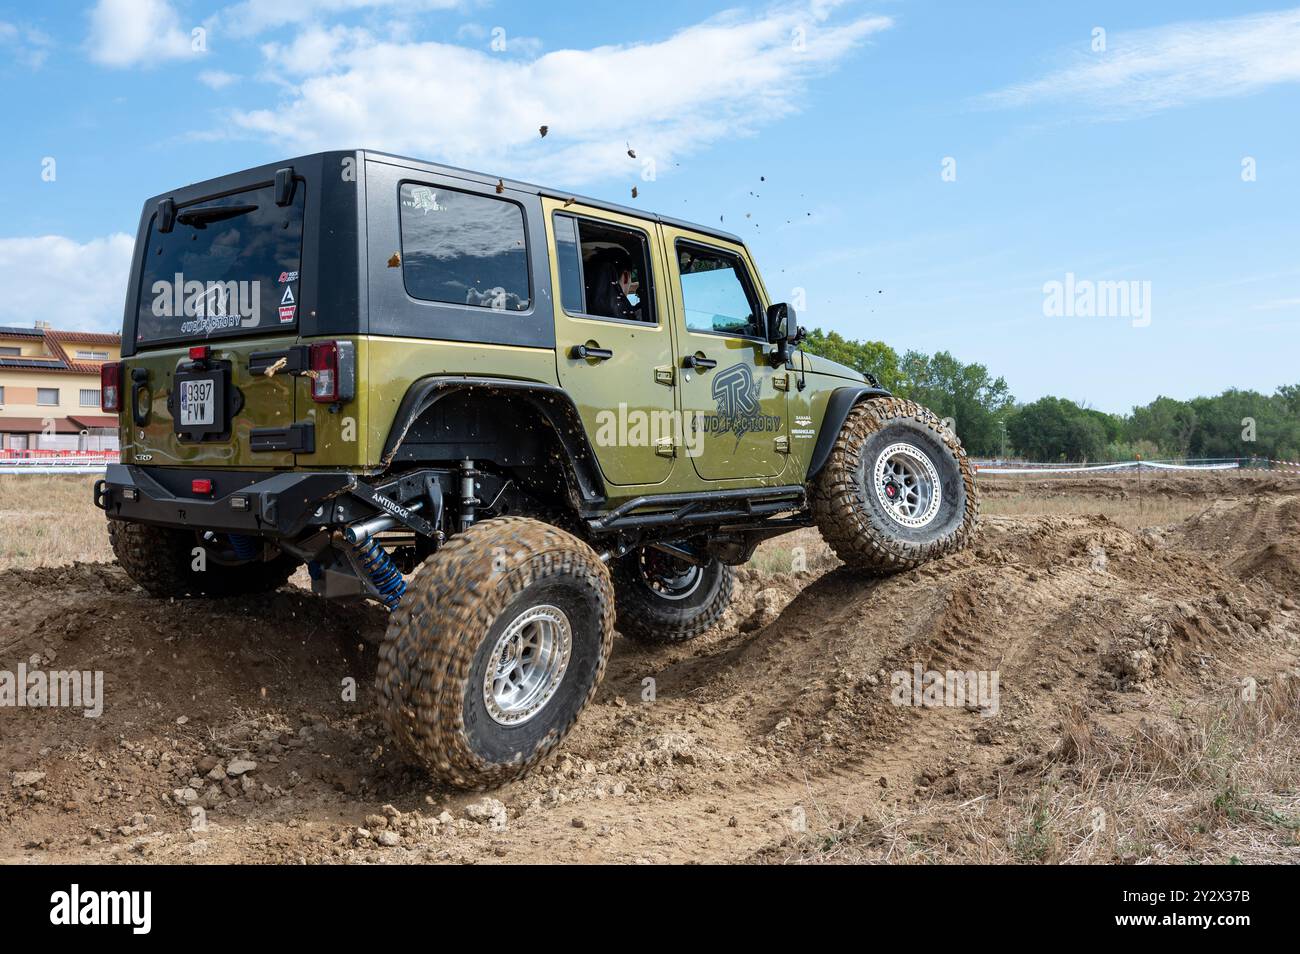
176, 563
497, 646
664, 599
897, 489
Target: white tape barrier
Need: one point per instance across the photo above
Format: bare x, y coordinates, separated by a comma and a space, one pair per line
1098, 468
55, 469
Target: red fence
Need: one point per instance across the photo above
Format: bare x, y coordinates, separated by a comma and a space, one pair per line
12, 454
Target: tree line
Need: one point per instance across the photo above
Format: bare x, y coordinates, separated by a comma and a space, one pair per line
991, 423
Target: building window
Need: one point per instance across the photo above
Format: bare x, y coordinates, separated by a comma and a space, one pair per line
2, 395
10, 352
92, 355
89, 397
47, 396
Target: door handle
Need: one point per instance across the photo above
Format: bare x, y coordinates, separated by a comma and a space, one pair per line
586, 351
698, 362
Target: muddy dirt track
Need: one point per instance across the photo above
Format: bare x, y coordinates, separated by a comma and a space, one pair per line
226, 735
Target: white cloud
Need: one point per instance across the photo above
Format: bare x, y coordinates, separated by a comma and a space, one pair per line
217, 79
1279, 303
24, 45
723, 78
252, 17
80, 286
314, 49
137, 32
1148, 70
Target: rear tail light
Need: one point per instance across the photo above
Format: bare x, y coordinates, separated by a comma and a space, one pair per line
201, 486
200, 353
333, 378
110, 387
325, 364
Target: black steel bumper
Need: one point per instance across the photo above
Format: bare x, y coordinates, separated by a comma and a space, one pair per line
266, 504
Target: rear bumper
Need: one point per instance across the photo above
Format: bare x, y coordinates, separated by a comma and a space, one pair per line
264, 504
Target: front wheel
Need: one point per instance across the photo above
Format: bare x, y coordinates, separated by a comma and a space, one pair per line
897, 489
498, 644
664, 599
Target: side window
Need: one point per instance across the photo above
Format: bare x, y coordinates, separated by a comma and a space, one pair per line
569, 256
604, 270
715, 293
463, 249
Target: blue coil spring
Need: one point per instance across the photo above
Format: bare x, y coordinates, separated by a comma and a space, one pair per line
383, 573
245, 547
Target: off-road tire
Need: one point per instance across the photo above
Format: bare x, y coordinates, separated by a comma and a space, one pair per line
161, 560
434, 656
851, 518
647, 617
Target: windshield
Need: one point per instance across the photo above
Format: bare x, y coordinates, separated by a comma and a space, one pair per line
228, 267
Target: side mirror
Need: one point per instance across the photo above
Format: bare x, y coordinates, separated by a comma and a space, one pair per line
783, 331
781, 324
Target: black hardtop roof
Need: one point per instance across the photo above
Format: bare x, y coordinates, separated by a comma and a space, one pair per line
226, 183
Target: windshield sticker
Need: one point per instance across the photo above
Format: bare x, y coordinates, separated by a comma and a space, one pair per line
213, 306
288, 298
286, 277
424, 199
286, 313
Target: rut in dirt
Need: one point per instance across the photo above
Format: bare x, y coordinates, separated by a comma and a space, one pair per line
795, 687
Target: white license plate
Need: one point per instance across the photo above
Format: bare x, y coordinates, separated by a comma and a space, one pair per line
197, 402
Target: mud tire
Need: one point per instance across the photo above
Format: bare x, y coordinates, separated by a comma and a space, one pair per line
852, 519
161, 560
646, 616
440, 640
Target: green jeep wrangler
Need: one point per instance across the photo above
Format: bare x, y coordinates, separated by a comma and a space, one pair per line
517, 418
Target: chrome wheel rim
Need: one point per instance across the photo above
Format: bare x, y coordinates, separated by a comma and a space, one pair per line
907, 486
667, 577
527, 664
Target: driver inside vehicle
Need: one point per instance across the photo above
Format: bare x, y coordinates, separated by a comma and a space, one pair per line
614, 280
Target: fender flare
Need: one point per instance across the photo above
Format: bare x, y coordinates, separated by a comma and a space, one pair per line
587, 486
842, 401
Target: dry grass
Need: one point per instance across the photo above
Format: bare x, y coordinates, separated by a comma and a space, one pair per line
1133, 513
49, 520
1221, 785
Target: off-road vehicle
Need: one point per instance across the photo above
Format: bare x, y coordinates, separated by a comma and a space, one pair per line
517, 418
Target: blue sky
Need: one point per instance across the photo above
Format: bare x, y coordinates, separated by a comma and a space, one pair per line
819, 131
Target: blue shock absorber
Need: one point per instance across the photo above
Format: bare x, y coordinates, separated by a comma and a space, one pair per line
245, 547
383, 573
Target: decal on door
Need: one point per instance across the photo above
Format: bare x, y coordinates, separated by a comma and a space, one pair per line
735, 393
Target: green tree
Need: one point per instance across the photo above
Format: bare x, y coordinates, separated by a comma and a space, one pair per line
1055, 429
1167, 423
976, 402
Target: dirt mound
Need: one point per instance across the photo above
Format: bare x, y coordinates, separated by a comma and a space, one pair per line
242, 729
1260, 536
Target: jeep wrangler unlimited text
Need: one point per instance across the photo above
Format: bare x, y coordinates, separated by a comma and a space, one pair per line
517, 418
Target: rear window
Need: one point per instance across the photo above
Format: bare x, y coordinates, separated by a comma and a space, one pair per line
228, 267
463, 249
